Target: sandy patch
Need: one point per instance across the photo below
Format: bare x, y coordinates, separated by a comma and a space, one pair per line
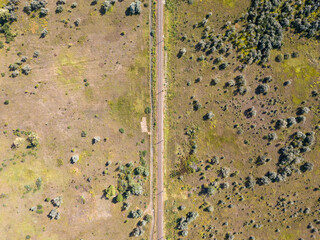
144, 127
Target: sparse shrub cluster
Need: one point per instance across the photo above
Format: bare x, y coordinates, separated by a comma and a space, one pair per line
130, 181
8, 16
56, 202
183, 222
140, 229
36, 5
262, 30
289, 157
135, 214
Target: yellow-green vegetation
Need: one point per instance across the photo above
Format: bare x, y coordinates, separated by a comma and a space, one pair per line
3, 3
302, 71
70, 69
229, 3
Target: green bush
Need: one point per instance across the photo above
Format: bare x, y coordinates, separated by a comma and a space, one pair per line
39, 183
44, 12
4, 15
136, 189
147, 110
1, 45
74, 5
39, 211
26, 69
59, 9
279, 58
110, 192
121, 130
33, 139
147, 218
5, 29
119, 198
36, 53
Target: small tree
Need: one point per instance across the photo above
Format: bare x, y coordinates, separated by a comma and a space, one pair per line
77, 22
26, 69
33, 139
44, 33
182, 52
39, 183
27, 8
44, 12
4, 15
136, 189
134, 8
74, 5
59, 9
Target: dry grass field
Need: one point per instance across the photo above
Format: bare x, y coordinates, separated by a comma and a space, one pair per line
88, 80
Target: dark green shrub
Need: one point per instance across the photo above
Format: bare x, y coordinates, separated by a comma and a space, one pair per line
147, 110
26, 69
44, 33
59, 9
279, 58
44, 12
106, 6
77, 22
39, 183
36, 53
134, 8
74, 5
5, 29
27, 8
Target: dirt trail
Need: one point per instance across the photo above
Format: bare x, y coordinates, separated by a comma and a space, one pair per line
160, 118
